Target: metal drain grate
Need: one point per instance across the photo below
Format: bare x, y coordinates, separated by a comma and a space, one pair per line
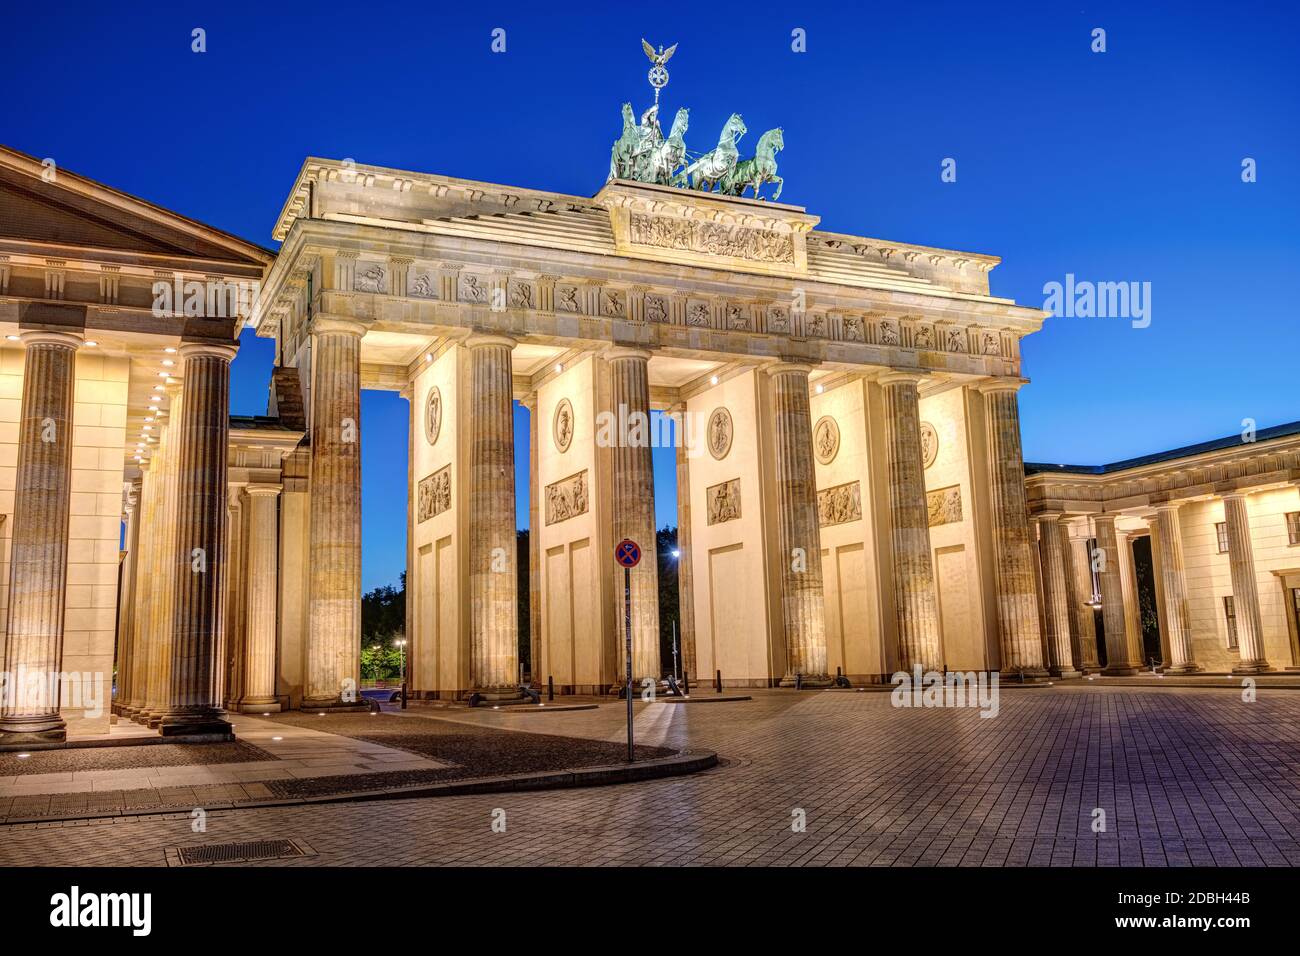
249, 852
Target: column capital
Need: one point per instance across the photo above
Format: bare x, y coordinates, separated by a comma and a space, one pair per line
1001, 384
327, 324
788, 367
262, 490
72, 340
902, 377
1235, 494
1106, 518
477, 339
616, 352
1167, 506
219, 350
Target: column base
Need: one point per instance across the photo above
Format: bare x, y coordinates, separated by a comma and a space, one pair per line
807, 680
1121, 670
1189, 668
1064, 673
12, 734
1252, 667
207, 723
271, 706
334, 705
1026, 675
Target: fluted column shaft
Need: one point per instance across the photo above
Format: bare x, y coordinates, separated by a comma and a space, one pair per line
263, 587
494, 622
167, 561
1132, 603
685, 556
128, 579
798, 530
1120, 660
1019, 639
234, 584
334, 584
194, 680
1079, 568
1245, 590
1173, 585
914, 598
39, 557
634, 513
1056, 596
144, 590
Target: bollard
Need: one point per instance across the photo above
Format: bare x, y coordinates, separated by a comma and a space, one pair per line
798, 681
403, 695
550, 688
717, 681
686, 683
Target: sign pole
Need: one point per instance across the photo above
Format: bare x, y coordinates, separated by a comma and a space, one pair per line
627, 628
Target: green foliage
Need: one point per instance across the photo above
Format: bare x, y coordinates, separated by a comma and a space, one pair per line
379, 662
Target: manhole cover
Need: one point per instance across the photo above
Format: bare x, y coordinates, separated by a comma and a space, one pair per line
211, 853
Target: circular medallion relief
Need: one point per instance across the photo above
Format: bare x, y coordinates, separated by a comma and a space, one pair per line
433, 415
721, 431
826, 439
562, 425
929, 444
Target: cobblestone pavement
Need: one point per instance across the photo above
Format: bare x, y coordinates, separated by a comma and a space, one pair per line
1183, 776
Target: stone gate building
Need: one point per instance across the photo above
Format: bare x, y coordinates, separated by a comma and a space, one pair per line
851, 494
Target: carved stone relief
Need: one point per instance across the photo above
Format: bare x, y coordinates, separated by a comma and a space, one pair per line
562, 425
434, 493
424, 286
840, 504
711, 238
944, 505
929, 444
369, 279
724, 501
472, 290
826, 439
655, 310
566, 498
721, 432
567, 298
433, 415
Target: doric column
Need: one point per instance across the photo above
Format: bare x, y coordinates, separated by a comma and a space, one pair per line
798, 532
1018, 635
1173, 585
194, 681
233, 586
142, 604
685, 557
1245, 590
1056, 596
1079, 567
914, 599
634, 512
127, 580
263, 585
38, 567
1132, 603
1119, 652
334, 582
493, 585
166, 561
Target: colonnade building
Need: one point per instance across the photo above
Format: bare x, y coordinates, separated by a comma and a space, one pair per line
851, 494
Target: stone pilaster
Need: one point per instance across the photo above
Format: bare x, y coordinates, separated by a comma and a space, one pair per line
39, 557
1079, 568
1059, 621
686, 558
493, 584
194, 682
798, 532
1173, 586
334, 580
534, 544
914, 597
1245, 590
634, 513
1019, 639
1120, 660
142, 602
259, 694
167, 561
233, 587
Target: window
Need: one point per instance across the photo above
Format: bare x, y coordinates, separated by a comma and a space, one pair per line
1293, 527
1230, 618
1222, 530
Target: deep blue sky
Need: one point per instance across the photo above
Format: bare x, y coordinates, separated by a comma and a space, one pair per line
1116, 166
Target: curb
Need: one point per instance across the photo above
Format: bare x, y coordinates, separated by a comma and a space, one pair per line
678, 765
